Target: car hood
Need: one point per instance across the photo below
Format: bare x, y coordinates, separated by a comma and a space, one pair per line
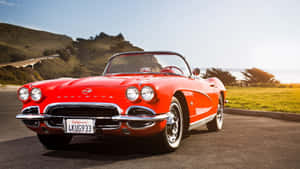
101, 86
101, 81
97, 82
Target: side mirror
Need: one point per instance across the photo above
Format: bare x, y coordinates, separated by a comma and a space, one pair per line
196, 71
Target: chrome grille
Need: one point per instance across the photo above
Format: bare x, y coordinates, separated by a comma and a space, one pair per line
84, 110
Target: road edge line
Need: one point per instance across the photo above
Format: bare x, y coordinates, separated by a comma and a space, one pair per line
275, 115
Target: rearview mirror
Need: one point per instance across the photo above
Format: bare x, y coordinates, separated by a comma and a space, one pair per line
196, 71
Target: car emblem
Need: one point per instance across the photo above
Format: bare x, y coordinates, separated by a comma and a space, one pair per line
86, 91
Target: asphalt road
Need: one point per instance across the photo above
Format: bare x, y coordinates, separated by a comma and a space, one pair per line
245, 142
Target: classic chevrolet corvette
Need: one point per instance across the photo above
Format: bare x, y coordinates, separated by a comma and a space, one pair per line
139, 94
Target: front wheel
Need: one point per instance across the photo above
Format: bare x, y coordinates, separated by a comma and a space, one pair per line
54, 142
170, 138
217, 123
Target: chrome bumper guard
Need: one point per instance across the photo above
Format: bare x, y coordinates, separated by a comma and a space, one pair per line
155, 118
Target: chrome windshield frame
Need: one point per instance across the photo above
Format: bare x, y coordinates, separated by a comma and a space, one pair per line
146, 52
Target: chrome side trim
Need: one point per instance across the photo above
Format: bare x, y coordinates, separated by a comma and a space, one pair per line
198, 91
200, 111
201, 122
82, 104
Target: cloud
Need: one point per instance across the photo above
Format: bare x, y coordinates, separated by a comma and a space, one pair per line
6, 3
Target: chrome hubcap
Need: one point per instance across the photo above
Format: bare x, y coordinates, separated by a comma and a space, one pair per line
220, 114
173, 125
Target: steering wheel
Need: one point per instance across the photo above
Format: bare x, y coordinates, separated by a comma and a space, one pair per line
168, 69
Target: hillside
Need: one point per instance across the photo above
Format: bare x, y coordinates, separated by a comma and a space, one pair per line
19, 43
80, 58
94, 52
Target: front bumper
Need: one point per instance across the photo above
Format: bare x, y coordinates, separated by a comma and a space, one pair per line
136, 123
121, 118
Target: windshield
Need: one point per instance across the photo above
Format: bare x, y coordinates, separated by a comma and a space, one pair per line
148, 63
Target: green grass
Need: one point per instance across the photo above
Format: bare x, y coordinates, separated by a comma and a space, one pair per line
266, 99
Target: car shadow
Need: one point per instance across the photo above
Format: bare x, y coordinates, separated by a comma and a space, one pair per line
112, 148
81, 153
109, 148
84, 151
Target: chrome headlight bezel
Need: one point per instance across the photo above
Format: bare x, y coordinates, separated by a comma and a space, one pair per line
23, 93
132, 93
36, 94
147, 93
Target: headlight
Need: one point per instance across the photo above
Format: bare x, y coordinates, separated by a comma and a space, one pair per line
132, 93
23, 94
147, 93
36, 94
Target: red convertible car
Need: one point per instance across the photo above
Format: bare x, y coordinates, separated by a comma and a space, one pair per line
139, 94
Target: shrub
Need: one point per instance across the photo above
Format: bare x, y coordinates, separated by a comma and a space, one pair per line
225, 76
257, 76
48, 52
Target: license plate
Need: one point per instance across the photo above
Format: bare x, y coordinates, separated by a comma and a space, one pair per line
80, 126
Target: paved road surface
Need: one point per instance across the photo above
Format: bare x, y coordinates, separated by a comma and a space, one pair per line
245, 143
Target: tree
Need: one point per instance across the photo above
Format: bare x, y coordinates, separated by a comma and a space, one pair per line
225, 76
258, 76
64, 54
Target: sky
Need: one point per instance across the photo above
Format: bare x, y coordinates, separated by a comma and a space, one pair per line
209, 33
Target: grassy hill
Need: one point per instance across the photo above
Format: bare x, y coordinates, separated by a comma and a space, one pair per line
19, 43
83, 57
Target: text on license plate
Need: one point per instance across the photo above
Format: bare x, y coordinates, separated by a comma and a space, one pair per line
79, 126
